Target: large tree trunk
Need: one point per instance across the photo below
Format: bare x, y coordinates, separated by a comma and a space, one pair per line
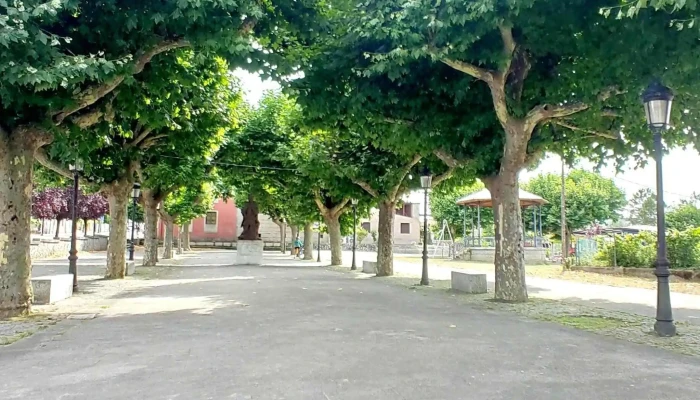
16, 168
118, 197
150, 241
168, 237
186, 237
333, 225
385, 242
295, 235
510, 256
309, 241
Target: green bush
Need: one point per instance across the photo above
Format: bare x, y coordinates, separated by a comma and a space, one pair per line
684, 248
640, 250
632, 251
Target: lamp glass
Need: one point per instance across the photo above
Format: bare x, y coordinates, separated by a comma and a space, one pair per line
658, 113
426, 181
354, 202
136, 191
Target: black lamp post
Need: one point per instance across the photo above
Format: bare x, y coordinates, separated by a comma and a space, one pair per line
135, 192
354, 202
426, 181
657, 100
76, 169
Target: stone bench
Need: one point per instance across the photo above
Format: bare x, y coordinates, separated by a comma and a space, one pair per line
369, 267
52, 288
469, 283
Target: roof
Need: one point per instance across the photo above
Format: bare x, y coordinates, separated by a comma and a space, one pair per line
483, 198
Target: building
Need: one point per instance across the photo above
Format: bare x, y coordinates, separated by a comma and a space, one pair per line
407, 225
222, 224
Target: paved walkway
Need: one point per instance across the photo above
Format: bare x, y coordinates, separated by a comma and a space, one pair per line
633, 300
293, 330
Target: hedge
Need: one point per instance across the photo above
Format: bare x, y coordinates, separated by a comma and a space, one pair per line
683, 250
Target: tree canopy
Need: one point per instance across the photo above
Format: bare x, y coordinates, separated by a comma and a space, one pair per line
590, 199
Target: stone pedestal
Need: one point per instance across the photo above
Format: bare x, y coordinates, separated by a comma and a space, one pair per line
469, 283
249, 252
130, 268
369, 267
53, 288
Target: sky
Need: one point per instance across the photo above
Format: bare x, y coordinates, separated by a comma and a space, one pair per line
678, 165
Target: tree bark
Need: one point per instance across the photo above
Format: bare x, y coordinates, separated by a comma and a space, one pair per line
309, 241
118, 197
179, 239
168, 238
333, 225
16, 169
295, 235
510, 256
385, 242
58, 229
150, 241
283, 230
186, 237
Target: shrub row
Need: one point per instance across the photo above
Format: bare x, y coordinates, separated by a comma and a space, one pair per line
683, 248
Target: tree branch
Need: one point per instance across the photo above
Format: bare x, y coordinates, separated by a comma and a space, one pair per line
151, 141
364, 185
446, 158
469, 69
565, 124
546, 112
93, 93
140, 137
508, 46
317, 198
43, 159
402, 175
340, 207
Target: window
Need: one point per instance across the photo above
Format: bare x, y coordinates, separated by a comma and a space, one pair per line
406, 210
405, 228
211, 221
365, 226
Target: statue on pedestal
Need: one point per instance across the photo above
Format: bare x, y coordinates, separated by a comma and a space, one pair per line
250, 223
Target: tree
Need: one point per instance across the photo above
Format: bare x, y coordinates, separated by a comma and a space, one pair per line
590, 199
91, 207
685, 11
642, 207
540, 64
60, 58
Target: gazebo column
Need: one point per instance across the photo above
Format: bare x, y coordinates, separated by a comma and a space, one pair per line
534, 226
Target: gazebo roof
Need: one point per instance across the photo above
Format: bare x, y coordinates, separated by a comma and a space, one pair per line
483, 198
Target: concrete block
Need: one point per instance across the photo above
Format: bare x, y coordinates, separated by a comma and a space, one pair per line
130, 268
369, 267
249, 252
469, 283
52, 288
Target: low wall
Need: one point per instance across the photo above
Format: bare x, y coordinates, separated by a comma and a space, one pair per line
56, 247
487, 254
687, 274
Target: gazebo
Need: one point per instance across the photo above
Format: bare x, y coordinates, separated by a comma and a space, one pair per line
482, 198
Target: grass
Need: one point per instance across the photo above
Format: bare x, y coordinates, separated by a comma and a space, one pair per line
555, 272
589, 322
8, 340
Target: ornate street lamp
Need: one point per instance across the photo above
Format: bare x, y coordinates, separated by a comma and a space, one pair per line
354, 202
76, 168
135, 192
657, 100
426, 181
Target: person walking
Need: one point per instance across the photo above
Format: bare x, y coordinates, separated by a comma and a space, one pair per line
297, 247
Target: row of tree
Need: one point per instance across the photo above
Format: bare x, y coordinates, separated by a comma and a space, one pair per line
57, 204
136, 90
477, 89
